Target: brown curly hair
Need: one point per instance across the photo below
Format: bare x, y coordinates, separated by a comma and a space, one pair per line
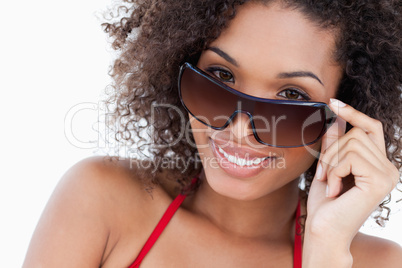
154, 38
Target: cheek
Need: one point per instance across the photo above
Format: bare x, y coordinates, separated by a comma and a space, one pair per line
200, 132
298, 160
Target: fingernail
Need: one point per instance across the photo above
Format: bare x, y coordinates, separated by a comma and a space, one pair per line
337, 103
327, 191
318, 173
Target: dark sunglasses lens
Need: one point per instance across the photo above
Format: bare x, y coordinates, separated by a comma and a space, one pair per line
276, 124
207, 101
288, 125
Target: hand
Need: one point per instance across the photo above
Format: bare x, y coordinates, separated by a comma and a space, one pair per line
360, 154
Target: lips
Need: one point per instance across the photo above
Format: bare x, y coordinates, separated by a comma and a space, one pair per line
240, 169
240, 161
241, 151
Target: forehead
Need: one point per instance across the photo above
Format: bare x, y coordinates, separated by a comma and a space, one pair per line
273, 38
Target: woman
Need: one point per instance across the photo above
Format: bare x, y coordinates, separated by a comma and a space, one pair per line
267, 87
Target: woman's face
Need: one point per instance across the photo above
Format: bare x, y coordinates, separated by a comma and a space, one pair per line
267, 52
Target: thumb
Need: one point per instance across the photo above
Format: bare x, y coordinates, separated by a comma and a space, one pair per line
336, 131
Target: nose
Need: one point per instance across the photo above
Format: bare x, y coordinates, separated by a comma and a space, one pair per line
240, 127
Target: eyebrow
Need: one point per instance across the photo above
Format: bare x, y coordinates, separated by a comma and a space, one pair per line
281, 75
224, 55
299, 74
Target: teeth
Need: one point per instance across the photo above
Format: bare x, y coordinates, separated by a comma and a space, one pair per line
257, 161
220, 150
241, 161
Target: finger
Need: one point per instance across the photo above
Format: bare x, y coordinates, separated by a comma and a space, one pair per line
317, 192
336, 131
355, 140
336, 174
371, 183
368, 177
331, 136
358, 119
334, 186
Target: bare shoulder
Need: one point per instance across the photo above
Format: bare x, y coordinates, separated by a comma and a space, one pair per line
107, 183
90, 209
370, 251
104, 173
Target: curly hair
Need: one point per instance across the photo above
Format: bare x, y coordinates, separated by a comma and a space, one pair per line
154, 38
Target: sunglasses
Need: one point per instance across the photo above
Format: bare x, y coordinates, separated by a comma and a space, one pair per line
277, 123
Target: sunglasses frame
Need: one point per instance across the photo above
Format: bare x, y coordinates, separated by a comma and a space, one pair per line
324, 108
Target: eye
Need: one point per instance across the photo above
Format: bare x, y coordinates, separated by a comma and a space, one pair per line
294, 94
221, 74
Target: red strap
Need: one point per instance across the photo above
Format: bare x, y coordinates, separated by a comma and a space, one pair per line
159, 228
297, 254
297, 258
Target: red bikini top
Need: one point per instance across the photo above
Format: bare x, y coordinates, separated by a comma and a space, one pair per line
297, 254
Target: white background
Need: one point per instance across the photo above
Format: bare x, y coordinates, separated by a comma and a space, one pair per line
53, 57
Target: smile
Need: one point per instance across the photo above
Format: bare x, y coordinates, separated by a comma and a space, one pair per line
241, 161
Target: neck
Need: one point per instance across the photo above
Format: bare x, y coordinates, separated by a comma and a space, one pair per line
270, 217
